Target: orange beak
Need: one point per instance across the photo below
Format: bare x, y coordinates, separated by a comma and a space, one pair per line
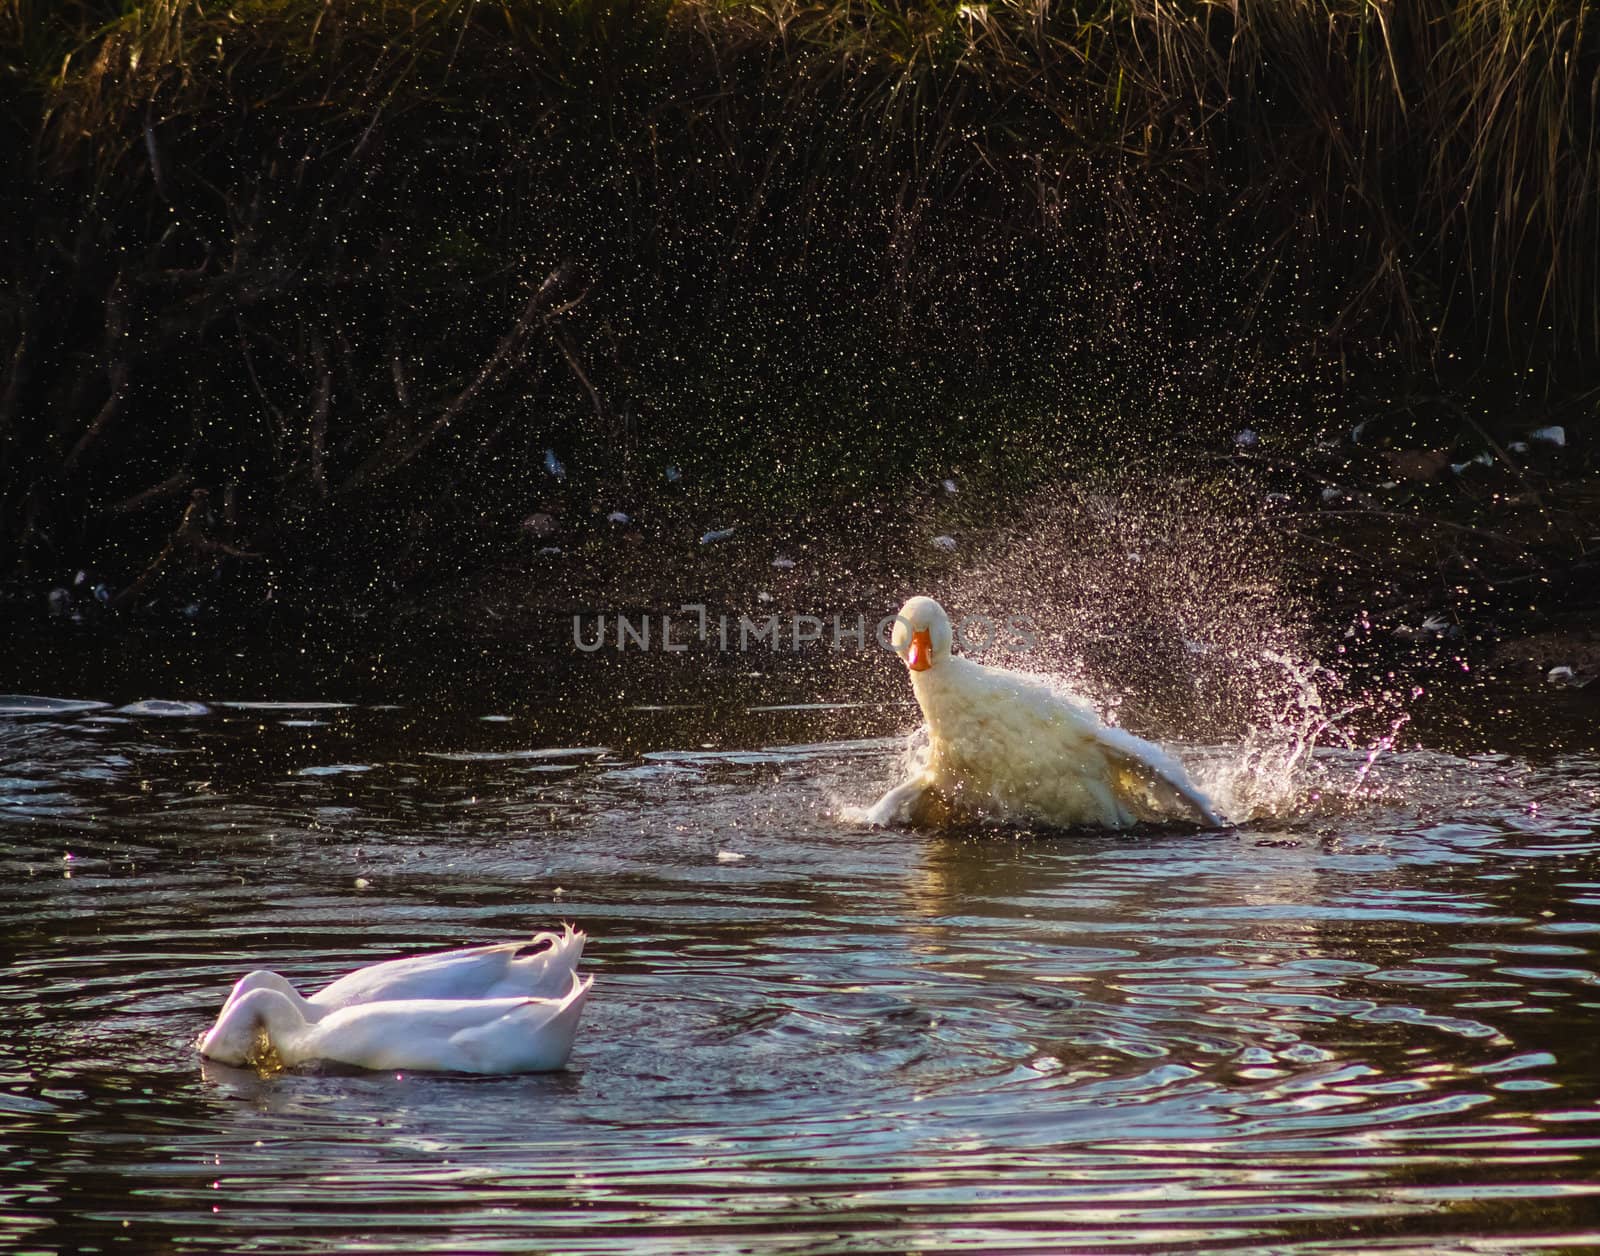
919, 658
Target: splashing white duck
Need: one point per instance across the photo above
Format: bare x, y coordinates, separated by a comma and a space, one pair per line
509, 1008
1004, 744
541, 968
264, 1027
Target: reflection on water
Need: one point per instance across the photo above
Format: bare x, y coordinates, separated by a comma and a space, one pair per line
1366, 1024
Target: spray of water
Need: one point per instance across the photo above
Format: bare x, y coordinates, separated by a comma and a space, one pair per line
1174, 613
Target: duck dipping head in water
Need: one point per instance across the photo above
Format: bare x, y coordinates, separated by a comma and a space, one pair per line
512, 1007
1010, 746
267, 1028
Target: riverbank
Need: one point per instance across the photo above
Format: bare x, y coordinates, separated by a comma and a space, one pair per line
1167, 600
330, 301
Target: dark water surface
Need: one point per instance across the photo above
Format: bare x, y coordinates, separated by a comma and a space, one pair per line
1370, 1023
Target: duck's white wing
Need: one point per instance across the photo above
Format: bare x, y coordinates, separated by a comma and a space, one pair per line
1151, 783
897, 806
540, 968
451, 1035
918, 803
535, 1037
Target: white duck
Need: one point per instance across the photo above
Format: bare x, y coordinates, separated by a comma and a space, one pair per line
541, 968
496, 1035
1000, 743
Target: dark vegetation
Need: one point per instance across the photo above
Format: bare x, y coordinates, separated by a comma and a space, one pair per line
297, 294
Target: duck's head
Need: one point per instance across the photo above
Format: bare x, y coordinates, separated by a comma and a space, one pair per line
922, 635
242, 1034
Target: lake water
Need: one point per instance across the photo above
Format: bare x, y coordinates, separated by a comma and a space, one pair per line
1366, 1020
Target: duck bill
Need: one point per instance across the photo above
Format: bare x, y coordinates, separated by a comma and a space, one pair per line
919, 658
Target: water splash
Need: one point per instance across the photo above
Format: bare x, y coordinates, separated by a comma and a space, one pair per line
1381, 746
1274, 770
1176, 614
908, 765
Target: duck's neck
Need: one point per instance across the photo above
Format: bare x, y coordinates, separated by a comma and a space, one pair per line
266, 979
236, 1036
935, 686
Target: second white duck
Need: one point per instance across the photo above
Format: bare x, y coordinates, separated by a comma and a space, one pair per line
265, 1027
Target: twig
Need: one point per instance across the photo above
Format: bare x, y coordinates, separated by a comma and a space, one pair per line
154, 154
261, 392
188, 535
102, 419
117, 374
564, 343
191, 513
319, 416
13, 388
169, 487
542, 306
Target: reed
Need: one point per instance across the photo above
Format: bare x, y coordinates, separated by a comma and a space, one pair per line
292, 265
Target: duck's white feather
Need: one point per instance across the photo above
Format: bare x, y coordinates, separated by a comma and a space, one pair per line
540, 968
493, 1035
1000, 743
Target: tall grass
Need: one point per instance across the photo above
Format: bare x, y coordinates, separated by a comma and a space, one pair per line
286, 266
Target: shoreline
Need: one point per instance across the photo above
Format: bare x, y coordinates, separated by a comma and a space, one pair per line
1453, 622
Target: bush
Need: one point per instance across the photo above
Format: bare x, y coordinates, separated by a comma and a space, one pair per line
300, 277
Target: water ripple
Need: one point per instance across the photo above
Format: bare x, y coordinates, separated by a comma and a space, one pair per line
1349, 1029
